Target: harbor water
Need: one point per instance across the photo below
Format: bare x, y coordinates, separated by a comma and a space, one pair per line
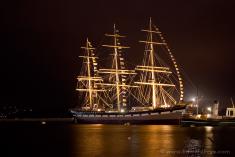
74, 140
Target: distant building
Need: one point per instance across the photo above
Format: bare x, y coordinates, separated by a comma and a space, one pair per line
230, 112
215, 108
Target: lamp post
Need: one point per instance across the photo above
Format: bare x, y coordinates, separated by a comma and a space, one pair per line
209, 114
195, 102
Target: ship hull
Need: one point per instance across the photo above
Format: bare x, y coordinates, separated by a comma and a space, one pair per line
147, 117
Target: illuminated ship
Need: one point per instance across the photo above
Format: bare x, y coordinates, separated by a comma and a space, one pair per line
151, 93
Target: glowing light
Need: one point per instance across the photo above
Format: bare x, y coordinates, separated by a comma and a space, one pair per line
198, 116
99, 110
122, 110
193, 99
208, 115
165, 106
209, 109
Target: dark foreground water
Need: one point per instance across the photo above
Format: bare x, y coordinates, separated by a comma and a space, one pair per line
71, 140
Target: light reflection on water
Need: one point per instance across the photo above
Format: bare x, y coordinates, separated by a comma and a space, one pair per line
73, 140
141, 140
209, 139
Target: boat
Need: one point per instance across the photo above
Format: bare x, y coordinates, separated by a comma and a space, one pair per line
211, 118
150, 93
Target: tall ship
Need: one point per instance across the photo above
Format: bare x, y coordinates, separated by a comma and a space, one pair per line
149, 93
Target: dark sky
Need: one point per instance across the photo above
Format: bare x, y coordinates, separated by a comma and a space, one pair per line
41, 39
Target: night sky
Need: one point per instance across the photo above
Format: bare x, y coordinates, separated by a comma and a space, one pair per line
41, 40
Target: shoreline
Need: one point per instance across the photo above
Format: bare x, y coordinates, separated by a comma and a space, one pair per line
37, 120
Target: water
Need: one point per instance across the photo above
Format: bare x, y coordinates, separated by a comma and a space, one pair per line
71, 140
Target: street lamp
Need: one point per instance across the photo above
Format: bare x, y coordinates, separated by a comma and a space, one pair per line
209, 109
195, 100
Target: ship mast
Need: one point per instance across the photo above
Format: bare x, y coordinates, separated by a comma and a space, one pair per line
88, 77
118, 71
152, 63
153, 75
